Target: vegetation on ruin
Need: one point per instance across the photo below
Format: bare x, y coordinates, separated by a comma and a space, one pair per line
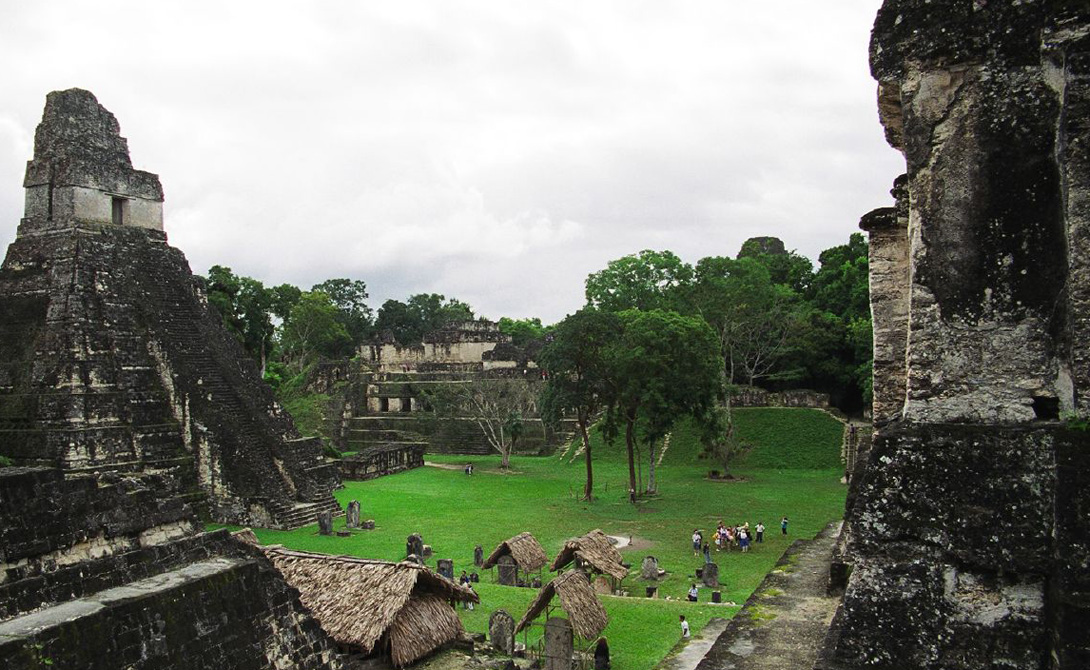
543, 495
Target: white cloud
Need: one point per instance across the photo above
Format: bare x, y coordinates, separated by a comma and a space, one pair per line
494, 151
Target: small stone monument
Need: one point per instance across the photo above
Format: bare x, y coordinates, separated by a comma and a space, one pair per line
602, 585
710, 577
414, 544
478, 555
501, 631
559, 644
445, 567
507, 571
352, 516
369, 524
650, 568
426, 551
325, 523
413, 558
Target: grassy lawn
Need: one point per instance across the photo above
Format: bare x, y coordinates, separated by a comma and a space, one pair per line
454, 512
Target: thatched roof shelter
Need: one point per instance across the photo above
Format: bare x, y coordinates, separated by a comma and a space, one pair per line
524, 548
375, 605
577, 598
593, 549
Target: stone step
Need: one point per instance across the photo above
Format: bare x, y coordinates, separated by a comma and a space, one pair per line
34, 624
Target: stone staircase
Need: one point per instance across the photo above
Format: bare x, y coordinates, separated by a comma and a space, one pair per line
292, 515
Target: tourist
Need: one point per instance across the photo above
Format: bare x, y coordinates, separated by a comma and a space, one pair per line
743, 540
693, 594
684, 628
783, 525
464, 579
601, 655
760, 532
469, 603
730, 537
698, 539
707, 553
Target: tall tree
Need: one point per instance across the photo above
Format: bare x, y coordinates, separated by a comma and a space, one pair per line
521, 331
841, 283
647, 280
312, 330
423, 313
245, 306
752, 317
663, 366
349, 296
496, 405
575, 358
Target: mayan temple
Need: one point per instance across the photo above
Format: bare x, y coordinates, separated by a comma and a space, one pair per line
968, 527
112, 366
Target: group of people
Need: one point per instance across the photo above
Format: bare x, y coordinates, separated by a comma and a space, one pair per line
726, 538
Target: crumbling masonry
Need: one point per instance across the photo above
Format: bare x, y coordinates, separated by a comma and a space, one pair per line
969, 525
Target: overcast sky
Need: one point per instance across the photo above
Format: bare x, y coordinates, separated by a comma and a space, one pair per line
493, 151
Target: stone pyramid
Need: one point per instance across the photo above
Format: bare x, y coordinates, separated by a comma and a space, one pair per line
112, 365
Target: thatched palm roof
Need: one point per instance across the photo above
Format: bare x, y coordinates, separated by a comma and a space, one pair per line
594, 549
358, 601
587, 616
524, 548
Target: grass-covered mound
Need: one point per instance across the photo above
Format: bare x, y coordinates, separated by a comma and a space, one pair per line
454, 512
788, 438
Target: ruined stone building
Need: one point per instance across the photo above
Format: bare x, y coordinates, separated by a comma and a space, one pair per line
112, 366
380, 402
969, 523
129, 410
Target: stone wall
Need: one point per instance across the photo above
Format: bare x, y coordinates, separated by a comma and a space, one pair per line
889, 290
375, 462
967, 531
753, 396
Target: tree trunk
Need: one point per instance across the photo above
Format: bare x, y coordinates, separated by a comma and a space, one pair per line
652, 486
588, 490
505, 450
629, 438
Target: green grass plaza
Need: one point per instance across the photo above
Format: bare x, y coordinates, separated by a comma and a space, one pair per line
792, 469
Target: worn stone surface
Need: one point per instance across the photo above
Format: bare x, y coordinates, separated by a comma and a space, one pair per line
501, 631
352, 515
967, 536
111, 360
649, 568
178, 619
984, 101
506, 571
710, 575
445, 567
559, 644
889, 291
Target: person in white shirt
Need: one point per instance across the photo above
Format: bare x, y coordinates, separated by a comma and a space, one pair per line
684, 627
